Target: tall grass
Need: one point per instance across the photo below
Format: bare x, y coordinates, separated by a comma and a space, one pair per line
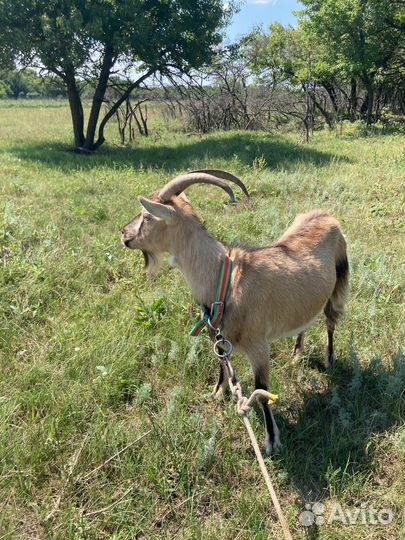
93, 355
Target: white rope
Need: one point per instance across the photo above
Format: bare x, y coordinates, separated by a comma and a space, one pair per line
243, 406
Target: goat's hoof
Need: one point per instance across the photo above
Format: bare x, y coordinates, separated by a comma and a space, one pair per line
273, 448
217, 393
296, 357
297, 353
329, 361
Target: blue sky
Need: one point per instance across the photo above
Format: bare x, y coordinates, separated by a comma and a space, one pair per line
254, 12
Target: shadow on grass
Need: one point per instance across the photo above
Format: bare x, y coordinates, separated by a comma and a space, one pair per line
279, 153
327, 451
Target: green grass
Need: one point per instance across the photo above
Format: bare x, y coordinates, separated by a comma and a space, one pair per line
37, 103
84, 373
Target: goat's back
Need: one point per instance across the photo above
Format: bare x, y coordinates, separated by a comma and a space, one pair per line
279, 289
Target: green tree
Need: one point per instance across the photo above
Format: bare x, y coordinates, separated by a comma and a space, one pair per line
361, 36
5, 90
296, 58
28, 81
93, 40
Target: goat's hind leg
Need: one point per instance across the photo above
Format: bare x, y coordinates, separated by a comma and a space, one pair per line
332, 316
260, 364
334, 307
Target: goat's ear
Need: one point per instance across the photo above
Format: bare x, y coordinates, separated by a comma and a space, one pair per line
158, 210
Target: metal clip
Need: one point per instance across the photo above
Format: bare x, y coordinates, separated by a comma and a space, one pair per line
215, 328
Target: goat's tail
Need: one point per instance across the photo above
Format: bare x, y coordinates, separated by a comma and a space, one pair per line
334, 308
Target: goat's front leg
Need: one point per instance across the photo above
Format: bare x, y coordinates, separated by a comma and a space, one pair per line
258, 357
223, 382
299, 346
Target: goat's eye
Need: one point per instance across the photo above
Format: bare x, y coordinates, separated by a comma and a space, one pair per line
147, 217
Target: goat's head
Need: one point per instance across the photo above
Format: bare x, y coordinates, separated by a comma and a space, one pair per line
168, 213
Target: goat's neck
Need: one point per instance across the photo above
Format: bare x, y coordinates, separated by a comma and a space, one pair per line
199, 256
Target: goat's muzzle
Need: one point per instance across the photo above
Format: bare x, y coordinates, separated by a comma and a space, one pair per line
127, 242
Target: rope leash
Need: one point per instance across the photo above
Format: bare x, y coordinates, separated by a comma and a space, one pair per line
212, 318
243, 406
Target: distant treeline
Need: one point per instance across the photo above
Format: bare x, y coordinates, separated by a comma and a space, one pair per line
33, 84
28, 83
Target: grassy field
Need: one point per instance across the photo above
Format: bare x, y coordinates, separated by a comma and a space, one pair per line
95, 356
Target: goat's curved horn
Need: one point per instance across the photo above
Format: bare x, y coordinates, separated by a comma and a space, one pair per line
182, 182
225, 176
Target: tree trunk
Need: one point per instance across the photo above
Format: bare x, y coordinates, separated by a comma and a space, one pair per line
353, 100
332, 94
379, 98
306, 121
76, 108
324, 112
98, 98
370, 103
114, 108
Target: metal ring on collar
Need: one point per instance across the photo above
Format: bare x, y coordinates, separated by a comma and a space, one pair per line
223, 352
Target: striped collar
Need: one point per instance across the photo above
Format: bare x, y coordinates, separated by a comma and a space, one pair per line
212, 317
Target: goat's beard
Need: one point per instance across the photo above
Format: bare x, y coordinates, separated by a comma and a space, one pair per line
153, 262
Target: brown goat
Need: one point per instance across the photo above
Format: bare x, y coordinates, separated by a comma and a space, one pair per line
276, 291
